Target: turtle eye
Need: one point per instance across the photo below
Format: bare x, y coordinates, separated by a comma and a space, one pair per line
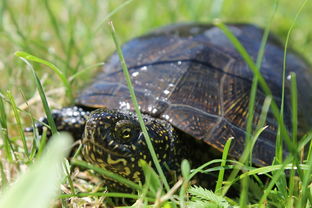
125, 129
126, 133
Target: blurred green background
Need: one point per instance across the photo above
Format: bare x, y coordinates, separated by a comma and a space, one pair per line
74, 34
75, 37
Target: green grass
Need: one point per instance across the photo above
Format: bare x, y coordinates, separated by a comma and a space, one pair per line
73, 38
28, 187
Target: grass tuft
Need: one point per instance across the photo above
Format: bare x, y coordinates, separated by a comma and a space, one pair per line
4, 132
40, 191
225, 153
42, 96
18, 121
72, 37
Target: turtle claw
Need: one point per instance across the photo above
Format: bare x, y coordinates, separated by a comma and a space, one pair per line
70, 119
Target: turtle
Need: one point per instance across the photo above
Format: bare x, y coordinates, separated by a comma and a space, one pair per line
193, 90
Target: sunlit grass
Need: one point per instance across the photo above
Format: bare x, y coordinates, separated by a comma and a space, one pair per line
74, 36
32, 188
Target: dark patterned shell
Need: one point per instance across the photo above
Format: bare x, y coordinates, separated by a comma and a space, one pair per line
191, 76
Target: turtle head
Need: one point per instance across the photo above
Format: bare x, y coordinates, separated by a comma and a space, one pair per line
114, 141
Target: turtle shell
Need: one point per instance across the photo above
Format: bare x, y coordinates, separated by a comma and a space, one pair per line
192, 76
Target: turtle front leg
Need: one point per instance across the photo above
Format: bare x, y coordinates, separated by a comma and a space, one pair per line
69, 119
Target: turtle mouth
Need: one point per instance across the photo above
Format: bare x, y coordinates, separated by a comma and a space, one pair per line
105, 158
100, 150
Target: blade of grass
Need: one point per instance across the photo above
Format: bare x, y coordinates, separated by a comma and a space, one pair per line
137, 110
226, 167
145, 188
42, 143
108, 174
151, 178
243, 198
38, 144
18, 121
203, 166
225, 153
272, 168
303, 142
294, 119
310, 147
4, 132
264, 111
77, 151
4, 180
59, 73
185, 169
66, 167
42, 96
306, 193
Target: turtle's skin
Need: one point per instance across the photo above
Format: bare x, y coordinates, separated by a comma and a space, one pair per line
193, 88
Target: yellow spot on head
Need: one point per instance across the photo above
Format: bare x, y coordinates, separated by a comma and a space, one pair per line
99, 160
111, 161
126, 172
136, 176
92, 156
